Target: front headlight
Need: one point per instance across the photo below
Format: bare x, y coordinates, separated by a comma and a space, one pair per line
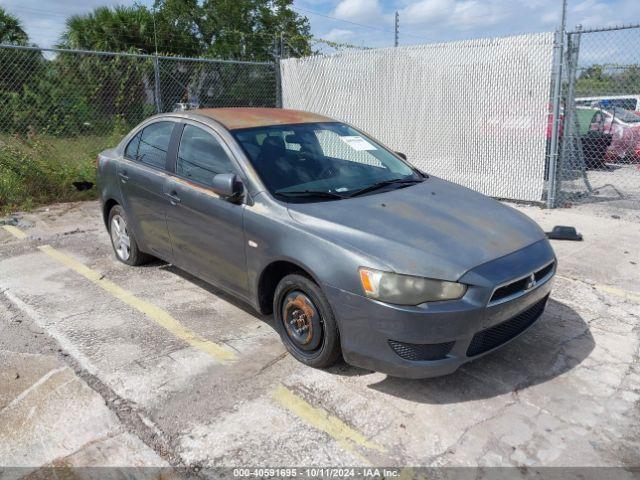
406, 289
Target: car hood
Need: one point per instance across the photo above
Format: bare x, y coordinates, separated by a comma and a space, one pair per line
435, 229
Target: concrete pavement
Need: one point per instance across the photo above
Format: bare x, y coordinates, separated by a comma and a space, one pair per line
129, 360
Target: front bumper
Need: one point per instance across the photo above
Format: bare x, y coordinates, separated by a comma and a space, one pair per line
395, 339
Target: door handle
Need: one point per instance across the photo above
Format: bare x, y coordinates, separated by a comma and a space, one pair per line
123, 176
174, 199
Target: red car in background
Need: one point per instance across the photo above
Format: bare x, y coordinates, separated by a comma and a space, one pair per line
624, 127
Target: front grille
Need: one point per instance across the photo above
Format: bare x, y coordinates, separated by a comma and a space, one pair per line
510, 289
503, 332
418, 352
543, 272
520, 286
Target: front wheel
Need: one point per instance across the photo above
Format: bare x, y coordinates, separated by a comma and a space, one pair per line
305, 322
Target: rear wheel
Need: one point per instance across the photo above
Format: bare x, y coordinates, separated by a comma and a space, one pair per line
122, 239
305, 322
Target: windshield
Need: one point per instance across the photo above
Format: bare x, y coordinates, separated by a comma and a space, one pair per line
322, 161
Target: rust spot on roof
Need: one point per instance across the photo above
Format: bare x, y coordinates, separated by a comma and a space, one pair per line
236, 118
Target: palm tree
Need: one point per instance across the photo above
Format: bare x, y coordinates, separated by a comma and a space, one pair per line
126, 29
11, 30
111, 29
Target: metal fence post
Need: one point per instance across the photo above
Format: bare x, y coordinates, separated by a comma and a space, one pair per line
556, 99
555, 130
571, 131
566, 126
276, 65
156, 71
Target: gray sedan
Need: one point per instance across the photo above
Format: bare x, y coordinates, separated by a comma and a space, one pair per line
355, 252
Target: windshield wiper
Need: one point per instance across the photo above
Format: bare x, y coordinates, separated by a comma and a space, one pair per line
309, 193
384, 183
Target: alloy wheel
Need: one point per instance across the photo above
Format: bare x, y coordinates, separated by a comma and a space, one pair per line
120, 237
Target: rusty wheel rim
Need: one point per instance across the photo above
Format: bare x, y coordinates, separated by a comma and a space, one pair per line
302, 321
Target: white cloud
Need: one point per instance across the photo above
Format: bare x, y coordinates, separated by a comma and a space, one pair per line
457, 14
424, 21
472, 14
550, 18
359, 10
598, 13
593, 13
427, 12
338, 34
587, 6
420, 20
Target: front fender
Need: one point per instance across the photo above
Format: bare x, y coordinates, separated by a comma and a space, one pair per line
272, 235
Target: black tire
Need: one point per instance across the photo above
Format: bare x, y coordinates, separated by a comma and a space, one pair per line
134, 257
292, 295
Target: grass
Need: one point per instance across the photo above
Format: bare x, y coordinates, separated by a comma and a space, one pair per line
38, 170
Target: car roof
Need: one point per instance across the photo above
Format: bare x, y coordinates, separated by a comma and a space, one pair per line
237, 118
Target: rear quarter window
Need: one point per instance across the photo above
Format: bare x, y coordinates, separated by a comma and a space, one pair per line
131, 151
151, 144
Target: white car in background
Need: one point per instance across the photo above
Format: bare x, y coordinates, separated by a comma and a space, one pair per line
627, 102
185, 106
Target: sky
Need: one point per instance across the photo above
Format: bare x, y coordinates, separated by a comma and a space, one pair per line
370, 22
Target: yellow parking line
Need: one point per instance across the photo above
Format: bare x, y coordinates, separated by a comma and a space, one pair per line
618, 292
15, 231
219, 352
348, 438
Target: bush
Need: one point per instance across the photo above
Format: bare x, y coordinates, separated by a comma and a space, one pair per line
40, 170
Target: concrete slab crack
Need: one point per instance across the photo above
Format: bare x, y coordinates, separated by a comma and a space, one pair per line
134, 420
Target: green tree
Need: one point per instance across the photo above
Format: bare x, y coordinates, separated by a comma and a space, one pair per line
11, 30
253, 29
277, 18
119, 29
170, 27
593, 72
18, 67
177, 29
242, 29
598, 80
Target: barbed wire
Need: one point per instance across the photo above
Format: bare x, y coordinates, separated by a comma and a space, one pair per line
338, 45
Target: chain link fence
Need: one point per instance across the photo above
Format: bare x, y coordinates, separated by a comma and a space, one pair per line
600, 147
69, 93
474, 112
59, 108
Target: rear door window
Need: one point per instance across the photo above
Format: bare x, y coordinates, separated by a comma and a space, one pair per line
151, 144
201, 156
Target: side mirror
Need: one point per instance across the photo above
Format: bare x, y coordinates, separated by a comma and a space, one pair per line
227, 185
401, 155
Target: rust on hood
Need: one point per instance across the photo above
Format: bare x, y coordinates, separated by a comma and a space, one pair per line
236, 118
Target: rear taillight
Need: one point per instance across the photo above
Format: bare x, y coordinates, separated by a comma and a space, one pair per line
97, 161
